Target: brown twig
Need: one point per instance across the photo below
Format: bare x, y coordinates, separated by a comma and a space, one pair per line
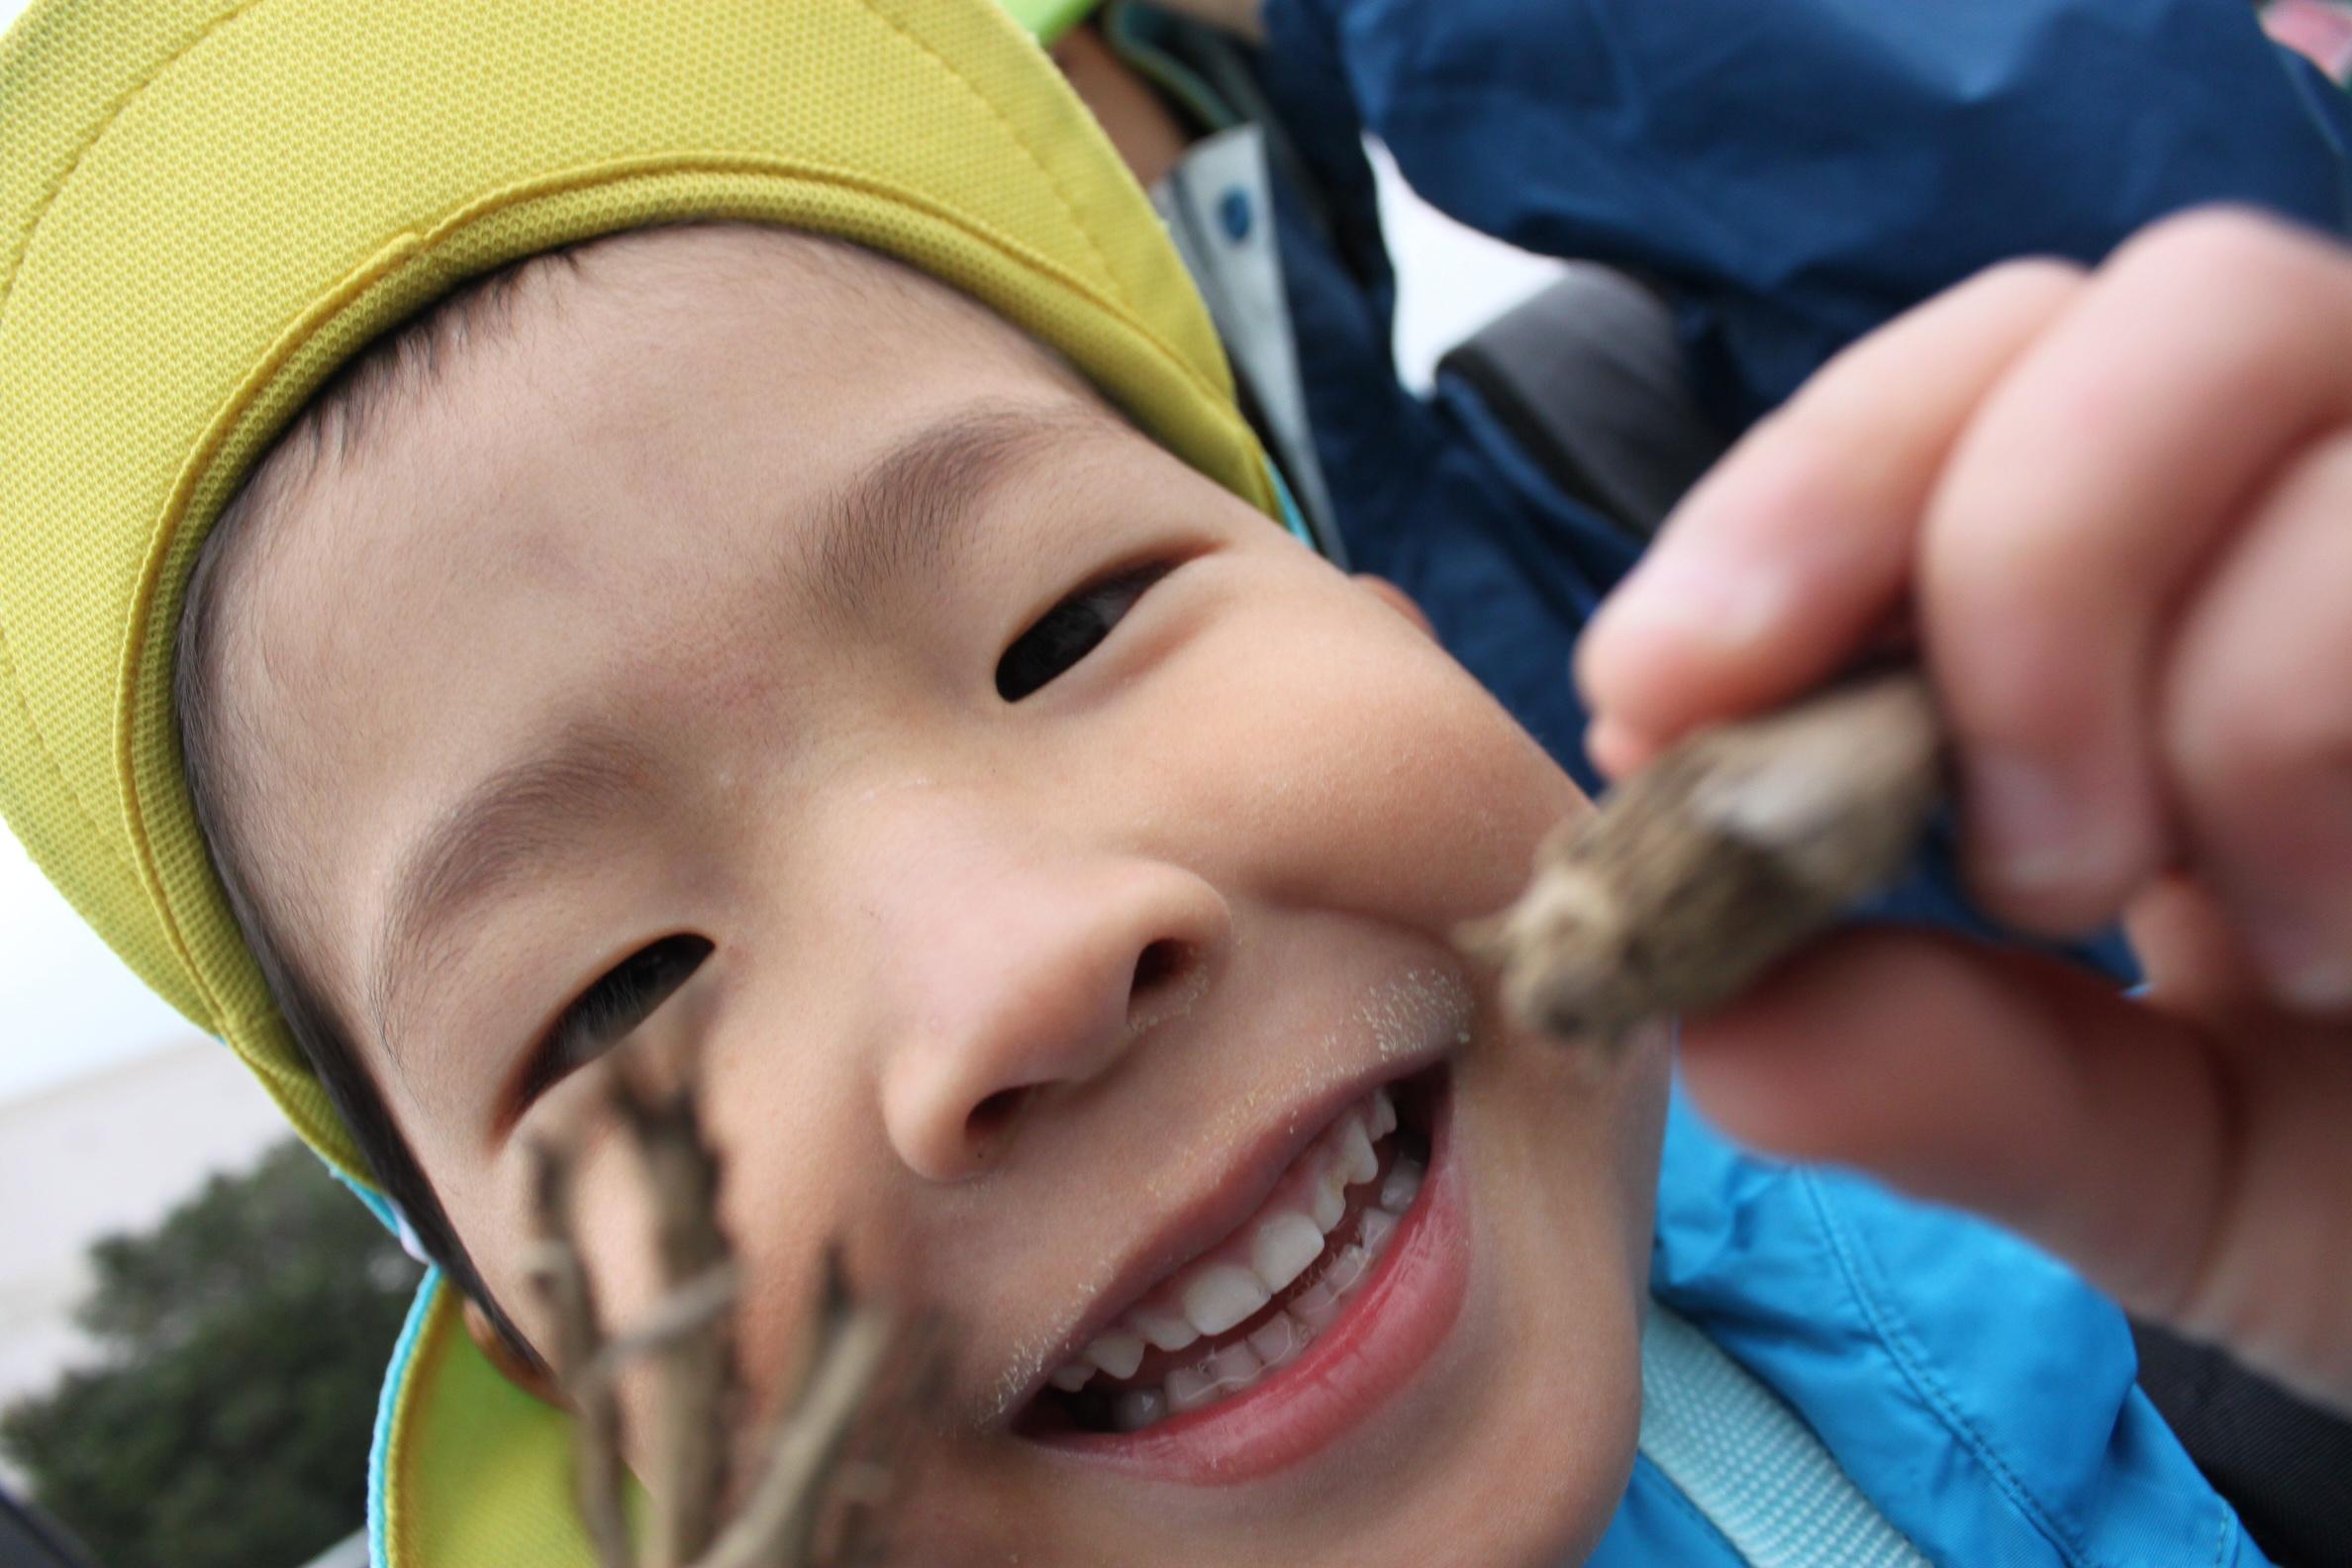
1727, 855
832, 1461
560, 1278
779, 1519
694, 1351
877, 1470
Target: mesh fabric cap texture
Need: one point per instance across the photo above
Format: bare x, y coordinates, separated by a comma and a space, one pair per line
209, 205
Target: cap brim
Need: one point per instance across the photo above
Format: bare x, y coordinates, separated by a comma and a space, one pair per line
466, 1467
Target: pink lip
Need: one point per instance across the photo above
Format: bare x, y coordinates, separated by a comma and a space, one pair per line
1386, 1334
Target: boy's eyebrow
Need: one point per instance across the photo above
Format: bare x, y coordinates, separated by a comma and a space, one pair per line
502, 826
907, 511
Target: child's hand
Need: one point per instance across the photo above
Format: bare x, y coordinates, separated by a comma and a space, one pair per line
2116, 509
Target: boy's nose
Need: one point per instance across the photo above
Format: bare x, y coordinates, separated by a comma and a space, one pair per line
1007, 981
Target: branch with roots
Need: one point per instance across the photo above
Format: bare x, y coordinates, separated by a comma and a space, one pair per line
823, 1476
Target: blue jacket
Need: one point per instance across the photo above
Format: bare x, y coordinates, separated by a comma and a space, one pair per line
1790, 173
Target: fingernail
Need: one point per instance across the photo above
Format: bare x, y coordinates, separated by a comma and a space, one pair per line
1722, 602
2307, 968
2029, 826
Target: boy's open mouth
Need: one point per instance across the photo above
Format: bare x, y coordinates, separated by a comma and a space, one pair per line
1291, 1277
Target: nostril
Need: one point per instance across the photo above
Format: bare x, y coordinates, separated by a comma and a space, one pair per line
1157, 964
1155, 990
991, 1118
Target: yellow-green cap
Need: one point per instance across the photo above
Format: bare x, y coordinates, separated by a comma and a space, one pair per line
207, 206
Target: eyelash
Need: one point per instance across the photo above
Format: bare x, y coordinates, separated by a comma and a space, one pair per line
1067, 632
627, 995
634, 989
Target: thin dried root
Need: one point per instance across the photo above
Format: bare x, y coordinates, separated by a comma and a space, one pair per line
688, 1310
694, 1406
831, 1462
1730, 853
577, 1341
788, 1502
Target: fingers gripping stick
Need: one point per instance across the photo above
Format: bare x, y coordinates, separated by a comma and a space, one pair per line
1730, 853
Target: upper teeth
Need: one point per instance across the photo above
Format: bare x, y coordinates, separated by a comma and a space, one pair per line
1117, 1352
1329, 1201
1236, 1279
1282, 1248
1222, 1293
1163, 1329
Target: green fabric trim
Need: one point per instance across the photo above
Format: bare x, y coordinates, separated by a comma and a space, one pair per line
1049, 19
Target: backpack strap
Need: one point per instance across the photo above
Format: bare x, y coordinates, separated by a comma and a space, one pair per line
1749, 1464
2285, 1466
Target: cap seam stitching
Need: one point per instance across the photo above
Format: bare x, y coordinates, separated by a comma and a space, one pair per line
997, 113
115, 111
16, 267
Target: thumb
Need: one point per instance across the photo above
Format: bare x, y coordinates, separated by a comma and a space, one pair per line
2202, 1175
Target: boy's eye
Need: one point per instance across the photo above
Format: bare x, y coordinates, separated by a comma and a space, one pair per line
1070, 631
605, 1013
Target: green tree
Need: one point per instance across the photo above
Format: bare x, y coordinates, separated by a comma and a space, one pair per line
242, 1339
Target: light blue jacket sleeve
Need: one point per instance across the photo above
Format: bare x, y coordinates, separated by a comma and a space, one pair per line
1793, 172
1978, 1391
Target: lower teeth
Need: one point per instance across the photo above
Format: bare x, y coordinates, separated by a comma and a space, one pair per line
1229, 1368
1139, 1408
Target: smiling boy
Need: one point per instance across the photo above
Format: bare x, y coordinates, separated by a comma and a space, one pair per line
887, 676
1026, 766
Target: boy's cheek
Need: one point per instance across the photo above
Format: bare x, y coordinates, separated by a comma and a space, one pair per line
1379, 773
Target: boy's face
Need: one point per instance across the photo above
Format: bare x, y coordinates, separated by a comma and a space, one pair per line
747, 595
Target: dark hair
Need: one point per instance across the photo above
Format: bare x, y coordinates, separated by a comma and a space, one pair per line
400, 366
